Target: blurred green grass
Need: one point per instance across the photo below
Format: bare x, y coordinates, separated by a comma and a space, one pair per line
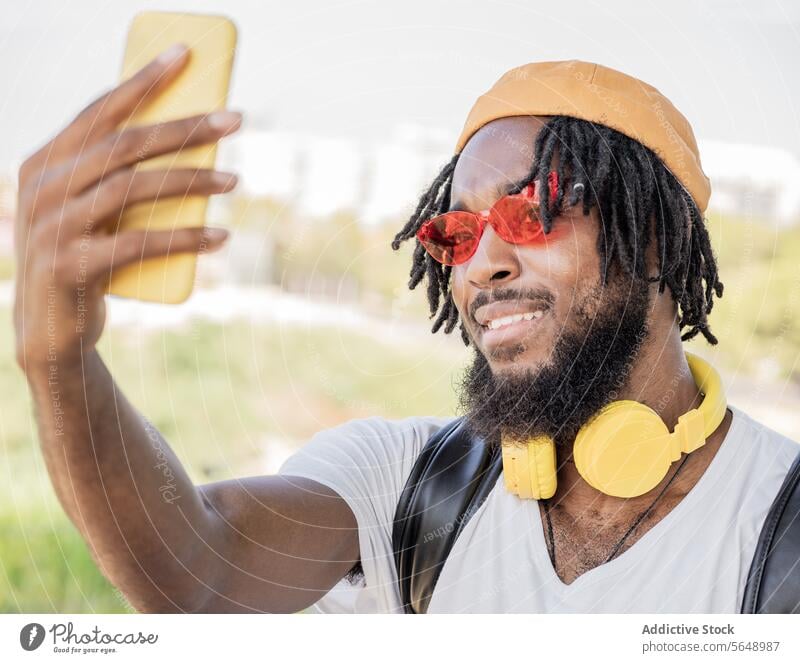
757, 321
221, 393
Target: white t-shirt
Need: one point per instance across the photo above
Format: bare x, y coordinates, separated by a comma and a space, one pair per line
695, 560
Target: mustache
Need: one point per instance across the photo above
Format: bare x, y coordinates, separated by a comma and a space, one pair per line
511, 294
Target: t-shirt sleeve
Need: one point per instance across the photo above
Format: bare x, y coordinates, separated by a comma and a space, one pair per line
367, 462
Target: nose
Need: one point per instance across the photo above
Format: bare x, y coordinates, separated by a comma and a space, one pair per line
494, 262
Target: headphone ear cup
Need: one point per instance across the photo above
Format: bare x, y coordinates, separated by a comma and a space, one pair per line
530, 469
623, 451
542, 456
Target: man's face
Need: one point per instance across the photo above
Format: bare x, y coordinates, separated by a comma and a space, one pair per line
546, 375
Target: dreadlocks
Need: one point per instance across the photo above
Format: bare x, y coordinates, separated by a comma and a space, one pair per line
631, 188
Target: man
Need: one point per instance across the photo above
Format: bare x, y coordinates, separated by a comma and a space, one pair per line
587, 310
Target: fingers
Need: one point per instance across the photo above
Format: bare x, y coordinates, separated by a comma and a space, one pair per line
106, 112
106, 201
137, 144
127, 148
109, 252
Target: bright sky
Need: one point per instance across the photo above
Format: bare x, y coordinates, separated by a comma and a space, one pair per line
358, 69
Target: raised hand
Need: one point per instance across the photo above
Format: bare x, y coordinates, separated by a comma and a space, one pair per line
73, 189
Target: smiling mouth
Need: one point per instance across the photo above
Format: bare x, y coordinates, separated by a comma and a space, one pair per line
511, 329
509, 320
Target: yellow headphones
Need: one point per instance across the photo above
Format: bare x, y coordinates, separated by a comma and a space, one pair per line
625, 450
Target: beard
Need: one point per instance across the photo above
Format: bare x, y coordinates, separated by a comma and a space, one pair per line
589, 365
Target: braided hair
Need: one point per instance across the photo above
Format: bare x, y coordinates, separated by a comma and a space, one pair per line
631, 188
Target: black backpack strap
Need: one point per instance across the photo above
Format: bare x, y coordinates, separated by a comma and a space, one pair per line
773, 582
451, 478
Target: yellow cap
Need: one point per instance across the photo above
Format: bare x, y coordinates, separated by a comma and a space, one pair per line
602, 95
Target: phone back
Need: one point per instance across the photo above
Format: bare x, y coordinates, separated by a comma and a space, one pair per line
202, 87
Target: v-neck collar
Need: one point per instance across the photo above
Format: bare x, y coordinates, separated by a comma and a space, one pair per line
530, 508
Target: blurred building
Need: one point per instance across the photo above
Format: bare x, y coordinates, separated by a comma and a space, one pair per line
751, 181
380, 180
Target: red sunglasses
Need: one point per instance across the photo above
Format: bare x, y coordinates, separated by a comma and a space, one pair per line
453, 237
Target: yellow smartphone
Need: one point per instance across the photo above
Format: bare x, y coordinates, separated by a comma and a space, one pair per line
201, 87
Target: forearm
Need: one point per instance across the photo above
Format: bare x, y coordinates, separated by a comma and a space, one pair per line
122, 486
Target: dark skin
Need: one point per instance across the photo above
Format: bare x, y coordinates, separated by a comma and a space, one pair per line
267, 543
587, 524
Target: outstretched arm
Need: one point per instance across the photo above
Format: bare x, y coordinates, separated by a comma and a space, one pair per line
267, 543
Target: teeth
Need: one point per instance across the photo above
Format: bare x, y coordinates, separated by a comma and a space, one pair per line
511, 319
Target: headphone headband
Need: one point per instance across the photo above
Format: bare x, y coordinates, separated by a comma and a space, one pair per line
709, 382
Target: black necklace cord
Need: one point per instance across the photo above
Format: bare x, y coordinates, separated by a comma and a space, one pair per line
552, 548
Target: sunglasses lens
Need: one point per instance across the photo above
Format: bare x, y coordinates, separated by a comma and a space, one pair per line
450, 238
516, 220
